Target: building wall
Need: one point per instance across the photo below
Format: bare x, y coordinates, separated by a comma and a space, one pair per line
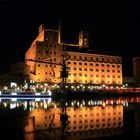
94, 68
84, 68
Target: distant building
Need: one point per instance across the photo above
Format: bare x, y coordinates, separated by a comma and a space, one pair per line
128, 80
136, 70
84, 66
19, 72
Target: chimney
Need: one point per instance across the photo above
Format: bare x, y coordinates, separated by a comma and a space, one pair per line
83, 39
59, 32
41, 28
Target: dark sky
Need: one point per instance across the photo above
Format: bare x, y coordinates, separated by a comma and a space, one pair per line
113, 26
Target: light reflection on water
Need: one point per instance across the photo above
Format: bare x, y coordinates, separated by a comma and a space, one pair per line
75, 119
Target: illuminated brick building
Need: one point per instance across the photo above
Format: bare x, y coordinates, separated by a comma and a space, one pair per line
84, 66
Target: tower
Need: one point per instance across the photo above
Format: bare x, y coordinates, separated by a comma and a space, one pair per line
83, 39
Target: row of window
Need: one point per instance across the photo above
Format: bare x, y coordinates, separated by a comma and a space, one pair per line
97, 125
91, 64
91, 59
80, 69
118, 66
86, 75
114, 119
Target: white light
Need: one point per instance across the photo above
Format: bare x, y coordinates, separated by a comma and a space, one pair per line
49, 92
37, 99
37, 93
13, 84
13, 93
14, 99
12, 105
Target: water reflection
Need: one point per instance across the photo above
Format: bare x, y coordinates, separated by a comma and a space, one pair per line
77, 119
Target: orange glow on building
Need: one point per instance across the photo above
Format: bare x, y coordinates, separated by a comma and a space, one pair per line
84, 66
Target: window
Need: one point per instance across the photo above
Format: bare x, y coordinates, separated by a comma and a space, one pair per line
80, 63
91, 64
97, 70
74, 68
85, 63
74, 57
91, 69
80, 69
102, 70
85, 69
113, 70
38, 65
118, 66
97, 64
80, 57
102, 64
74, 62
113, 66
85, 58
108, 70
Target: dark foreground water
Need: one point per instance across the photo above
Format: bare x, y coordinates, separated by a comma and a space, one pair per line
44, 119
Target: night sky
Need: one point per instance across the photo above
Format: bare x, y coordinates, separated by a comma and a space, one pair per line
112, 26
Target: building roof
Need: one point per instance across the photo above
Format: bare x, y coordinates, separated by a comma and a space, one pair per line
87, 50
